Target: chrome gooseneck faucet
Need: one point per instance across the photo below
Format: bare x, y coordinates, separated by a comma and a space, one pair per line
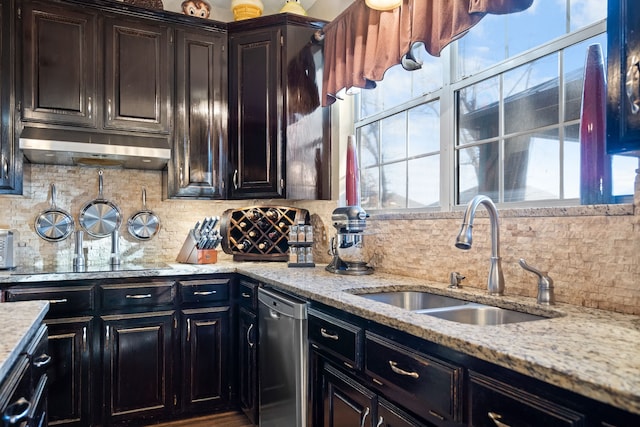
495, 283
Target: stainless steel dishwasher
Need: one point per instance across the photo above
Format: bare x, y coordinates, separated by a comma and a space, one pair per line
282, 359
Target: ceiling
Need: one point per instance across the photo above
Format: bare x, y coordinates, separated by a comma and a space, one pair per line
221, 9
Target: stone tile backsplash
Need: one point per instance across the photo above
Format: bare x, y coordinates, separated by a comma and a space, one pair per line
594, 259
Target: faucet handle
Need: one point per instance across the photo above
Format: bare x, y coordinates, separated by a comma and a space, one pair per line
545, 284
454, 279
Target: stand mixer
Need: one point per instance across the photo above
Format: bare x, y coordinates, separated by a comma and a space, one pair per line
347, 246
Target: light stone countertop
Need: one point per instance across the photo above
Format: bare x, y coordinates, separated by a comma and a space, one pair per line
591, 352
19, 322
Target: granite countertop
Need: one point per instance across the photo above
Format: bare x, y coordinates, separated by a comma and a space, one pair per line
19, 322
592, 352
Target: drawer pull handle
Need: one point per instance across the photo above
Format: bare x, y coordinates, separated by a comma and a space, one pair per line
380, 422
11, 416
58, 301
188, 329
394, 368
140, 296
42, 360
246, 295
251, 344
437, 415
496, 419
328, 335
205, 293
365, 414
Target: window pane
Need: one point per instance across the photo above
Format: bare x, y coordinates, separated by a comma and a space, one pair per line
585, 12
478, 115
371, 102
531, 95
532, 167
429, 78
370, 188
478, 172
574, 58
394, 137
498, 37
424, 182
368, 143
396, 86
624, 174
571, 163
424, 129
393, 180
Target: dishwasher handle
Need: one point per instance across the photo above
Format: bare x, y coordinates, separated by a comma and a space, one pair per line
281, 305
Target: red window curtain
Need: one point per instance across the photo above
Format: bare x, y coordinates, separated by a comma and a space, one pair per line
362, 43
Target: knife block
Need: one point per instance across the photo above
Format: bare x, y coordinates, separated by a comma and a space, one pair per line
190, 254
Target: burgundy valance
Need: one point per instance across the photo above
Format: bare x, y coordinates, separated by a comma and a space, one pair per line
360, 44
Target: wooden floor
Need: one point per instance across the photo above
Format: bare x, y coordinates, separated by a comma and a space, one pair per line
228, 419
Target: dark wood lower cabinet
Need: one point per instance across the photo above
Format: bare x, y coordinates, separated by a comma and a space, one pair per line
346, 403
69, 387
137, 366
205, 376
248, 363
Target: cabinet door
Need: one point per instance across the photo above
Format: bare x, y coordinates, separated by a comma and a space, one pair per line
70, 384
390, 415
197, 169
59, 64
10, 156
248, 363
138, 69
255, 108
205, 359
346, 403
137, 364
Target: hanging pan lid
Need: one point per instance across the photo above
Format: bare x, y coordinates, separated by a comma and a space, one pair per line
100, 217
144, 224
54, 224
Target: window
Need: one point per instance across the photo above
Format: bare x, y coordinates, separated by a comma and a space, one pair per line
497, 114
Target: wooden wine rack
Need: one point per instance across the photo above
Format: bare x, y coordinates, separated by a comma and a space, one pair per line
259, 233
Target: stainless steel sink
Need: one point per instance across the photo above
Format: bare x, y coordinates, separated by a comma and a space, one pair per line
414, 301
449, 308
483, 315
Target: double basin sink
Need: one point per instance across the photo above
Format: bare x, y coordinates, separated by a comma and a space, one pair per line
453, 309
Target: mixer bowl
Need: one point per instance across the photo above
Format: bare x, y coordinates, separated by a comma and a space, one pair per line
350, 248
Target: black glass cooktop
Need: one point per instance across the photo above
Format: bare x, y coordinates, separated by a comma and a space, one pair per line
98, 268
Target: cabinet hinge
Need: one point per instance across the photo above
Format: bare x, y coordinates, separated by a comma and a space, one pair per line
19, 13
175, 323
282, 183
175, 400
281, 40
19, 106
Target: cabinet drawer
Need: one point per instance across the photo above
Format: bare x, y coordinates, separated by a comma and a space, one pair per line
493, 403
132, 295
203, 291
63, 300
428, 387
248, 295
339, 338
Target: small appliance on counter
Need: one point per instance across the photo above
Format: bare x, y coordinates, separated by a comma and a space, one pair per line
347, 247
6, 249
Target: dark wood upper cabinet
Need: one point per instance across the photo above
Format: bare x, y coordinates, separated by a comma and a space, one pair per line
199, 159
278, 134
623, 73
10, 156
60, 64
138, 75
89, 68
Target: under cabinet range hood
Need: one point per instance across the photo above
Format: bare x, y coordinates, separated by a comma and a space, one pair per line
61, 147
